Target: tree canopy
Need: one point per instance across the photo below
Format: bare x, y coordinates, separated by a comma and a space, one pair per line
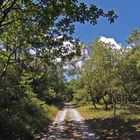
110, 76
32, 36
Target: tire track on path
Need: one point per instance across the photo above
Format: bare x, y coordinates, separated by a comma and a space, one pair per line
72, 129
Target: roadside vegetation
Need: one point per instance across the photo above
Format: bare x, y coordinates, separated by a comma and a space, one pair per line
107, 126
88, 111
108, 90
32, 55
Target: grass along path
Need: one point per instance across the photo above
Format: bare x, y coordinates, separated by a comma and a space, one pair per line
123, 126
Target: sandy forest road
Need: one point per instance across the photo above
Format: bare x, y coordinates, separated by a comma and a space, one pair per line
68, 125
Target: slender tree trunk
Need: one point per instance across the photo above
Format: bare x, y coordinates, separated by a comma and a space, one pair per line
106, 106
5, 68
114, 105
122, 101
6, 65
93, 101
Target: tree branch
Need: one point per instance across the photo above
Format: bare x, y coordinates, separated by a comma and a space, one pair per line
6, 65
7, 11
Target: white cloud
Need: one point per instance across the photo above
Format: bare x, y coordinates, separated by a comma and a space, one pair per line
111, 41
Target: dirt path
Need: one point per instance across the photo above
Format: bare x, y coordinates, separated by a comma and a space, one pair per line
68, 125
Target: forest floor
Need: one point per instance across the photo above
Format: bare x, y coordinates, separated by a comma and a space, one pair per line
68, 125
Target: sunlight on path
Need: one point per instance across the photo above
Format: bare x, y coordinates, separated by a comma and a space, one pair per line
61, 116
63, 129
75, 115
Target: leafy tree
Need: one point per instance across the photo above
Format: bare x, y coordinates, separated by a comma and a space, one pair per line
99, 70
111, 74
129, 73
135, 36
101, 75
31, 38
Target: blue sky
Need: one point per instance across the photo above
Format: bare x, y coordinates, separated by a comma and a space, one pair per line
129, 19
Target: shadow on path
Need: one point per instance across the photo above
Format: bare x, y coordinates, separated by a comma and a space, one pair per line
115, 128
67, 130
64, 129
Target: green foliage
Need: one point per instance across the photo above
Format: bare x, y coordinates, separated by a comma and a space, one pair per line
21, 113
110, 76
32, 33
135, 36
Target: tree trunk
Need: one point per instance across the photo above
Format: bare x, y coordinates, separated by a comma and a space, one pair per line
114, 105
6, 65
93, 101
5, 68
106, 106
